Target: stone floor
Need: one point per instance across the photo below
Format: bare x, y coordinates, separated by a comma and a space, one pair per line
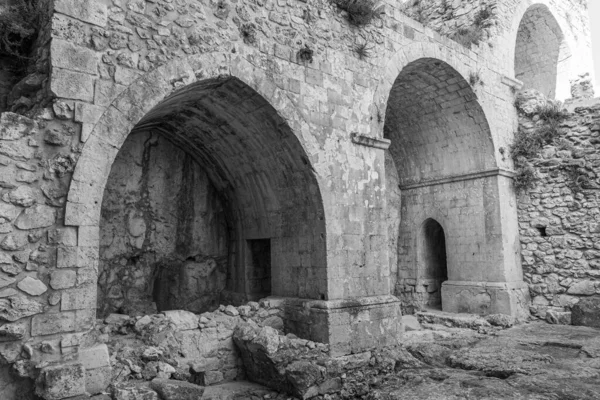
440, 356
530, 361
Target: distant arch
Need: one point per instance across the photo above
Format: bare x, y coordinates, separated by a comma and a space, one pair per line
542, 57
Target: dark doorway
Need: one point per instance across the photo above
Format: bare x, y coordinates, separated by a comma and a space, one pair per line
260, 268
435, 268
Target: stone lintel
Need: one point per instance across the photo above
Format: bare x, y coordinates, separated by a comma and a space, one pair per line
369, 141
460, 178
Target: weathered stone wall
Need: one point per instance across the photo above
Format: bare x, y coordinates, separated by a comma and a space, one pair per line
559, 217
164, 235
294, 145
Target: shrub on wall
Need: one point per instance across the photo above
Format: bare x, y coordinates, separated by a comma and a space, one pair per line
527, 145
360, 12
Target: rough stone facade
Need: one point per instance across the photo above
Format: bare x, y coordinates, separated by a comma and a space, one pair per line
244, 145
558, 217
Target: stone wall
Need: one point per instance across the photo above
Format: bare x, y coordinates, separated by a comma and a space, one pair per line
164, 236
286, 119
558, 217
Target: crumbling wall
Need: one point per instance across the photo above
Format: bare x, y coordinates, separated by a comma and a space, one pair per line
558, 217
164, 235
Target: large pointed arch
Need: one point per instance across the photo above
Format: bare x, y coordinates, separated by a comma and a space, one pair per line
231, 119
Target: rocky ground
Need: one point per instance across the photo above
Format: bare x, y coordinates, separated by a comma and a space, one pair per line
441, 356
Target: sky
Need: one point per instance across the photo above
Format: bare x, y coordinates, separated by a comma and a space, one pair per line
594, 9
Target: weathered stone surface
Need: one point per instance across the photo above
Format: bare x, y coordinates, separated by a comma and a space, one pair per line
586, 288
86, 10
14, 126
39, 216
176, 390
72, 85
9, 211
183, 320
16, 150
134, 391
411, 323
14, 242
78, 299
17, 307
48, 324
587, 312
5, 281
9, 292
69, 56
56, 383
63, 279
32, 286
12, 332
23, 196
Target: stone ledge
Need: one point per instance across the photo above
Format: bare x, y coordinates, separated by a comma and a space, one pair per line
512, 82
368, 141
460, 178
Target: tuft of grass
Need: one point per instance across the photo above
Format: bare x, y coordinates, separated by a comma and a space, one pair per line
360, 12
305, 55
248, 33
551, 111
482, 17
468, 36
363, 50
475, 78
525, 177
19, 27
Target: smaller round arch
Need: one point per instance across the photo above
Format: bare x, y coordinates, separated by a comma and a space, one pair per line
433, 265
542, 58
437, 127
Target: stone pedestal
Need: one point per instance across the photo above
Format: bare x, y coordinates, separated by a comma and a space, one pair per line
348, 326
484, 298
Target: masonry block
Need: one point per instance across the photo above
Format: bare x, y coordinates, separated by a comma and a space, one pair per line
75, 58
91, 11
72, 85
60, 382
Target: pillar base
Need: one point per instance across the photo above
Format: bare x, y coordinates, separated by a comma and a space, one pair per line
348, 326
484, 298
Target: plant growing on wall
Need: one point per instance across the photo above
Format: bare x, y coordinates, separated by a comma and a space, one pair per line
527, 145
360, 12
19, 25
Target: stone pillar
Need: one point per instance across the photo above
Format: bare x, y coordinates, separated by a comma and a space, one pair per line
359, 313
496, 285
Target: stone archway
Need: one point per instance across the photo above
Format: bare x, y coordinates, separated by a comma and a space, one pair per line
443, 150
542, 55
268, 192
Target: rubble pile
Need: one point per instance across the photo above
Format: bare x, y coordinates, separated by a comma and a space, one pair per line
178, 346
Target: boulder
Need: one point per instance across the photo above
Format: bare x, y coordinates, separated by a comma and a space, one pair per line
176, 390
182, 320
587, 312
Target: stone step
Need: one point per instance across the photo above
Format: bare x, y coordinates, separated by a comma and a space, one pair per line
470, 321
